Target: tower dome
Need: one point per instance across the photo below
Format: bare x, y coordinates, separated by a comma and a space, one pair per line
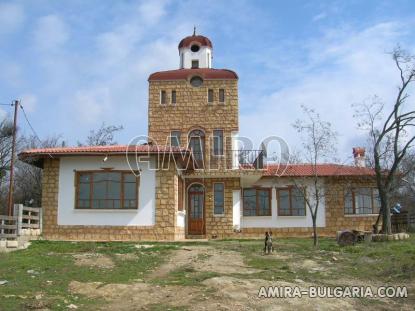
195, 52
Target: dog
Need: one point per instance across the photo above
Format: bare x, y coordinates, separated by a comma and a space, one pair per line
268, 243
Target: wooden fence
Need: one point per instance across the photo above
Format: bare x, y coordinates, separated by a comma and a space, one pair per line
25, 221
402, 222
8, 227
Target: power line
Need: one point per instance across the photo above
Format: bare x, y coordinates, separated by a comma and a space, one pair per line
31, 127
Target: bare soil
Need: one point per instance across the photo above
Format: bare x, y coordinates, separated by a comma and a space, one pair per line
94, 260
224, 292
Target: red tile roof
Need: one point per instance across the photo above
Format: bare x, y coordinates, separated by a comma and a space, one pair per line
185, 74
202, 40
303, 170
92, 150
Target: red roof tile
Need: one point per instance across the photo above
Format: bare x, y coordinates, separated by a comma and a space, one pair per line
303, 170
202, 40
91, 150
185, 74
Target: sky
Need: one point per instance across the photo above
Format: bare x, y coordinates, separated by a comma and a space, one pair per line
75, 64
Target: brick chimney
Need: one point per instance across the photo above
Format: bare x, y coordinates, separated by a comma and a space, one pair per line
359, 156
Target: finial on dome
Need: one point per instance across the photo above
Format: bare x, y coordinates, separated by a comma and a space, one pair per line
194, 30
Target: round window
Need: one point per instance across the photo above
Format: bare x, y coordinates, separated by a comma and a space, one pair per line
194, 48
196, 81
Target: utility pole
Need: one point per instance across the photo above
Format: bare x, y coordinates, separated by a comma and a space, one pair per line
16, 104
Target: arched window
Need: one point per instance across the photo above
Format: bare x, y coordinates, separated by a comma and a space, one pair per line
197, 144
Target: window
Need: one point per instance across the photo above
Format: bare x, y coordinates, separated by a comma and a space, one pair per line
222, 96
195, 48
197, 145
360, 201
257, 202
173, 97
175, 138
106, 190
218, 198
210, 96
195, 64
163, 97
180, 194
291, 202
196, 81
218, 142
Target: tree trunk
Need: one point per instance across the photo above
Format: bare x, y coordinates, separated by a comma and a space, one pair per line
386, 214
315, 236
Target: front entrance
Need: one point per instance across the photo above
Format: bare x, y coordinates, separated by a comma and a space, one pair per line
196, 210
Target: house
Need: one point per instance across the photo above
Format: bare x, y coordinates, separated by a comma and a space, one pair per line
190, 179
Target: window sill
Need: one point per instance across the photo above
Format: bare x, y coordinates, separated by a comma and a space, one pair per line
291, 216
360, 215
218, 215
263, 216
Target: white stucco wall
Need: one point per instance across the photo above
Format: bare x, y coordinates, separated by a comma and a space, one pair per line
236, 212
181, 219
275, 221
204, 56
68, 215
235, 153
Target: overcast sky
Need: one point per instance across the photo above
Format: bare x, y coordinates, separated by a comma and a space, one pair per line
75, 64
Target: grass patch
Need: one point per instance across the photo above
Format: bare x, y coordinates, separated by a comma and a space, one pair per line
46, 268
38, 277
185, 276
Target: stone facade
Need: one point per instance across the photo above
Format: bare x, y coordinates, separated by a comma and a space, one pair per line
218, 226
165, 227
192, 111
336, 220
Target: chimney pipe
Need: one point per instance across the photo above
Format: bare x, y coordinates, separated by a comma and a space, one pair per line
359, 156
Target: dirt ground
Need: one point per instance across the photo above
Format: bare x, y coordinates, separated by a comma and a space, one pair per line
226, 290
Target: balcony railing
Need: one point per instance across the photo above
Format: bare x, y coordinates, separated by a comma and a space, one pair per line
253, 159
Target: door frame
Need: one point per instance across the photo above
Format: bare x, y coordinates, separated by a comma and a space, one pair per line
188, 193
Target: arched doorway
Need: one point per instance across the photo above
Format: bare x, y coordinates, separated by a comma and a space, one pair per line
196, 210
197, 144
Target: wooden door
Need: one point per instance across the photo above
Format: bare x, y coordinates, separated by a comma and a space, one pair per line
196, 209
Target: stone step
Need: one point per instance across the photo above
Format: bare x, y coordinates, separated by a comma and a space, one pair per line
196, 236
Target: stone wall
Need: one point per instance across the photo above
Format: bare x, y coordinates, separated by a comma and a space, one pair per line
192, 111
336, 220
166, 209
218, 226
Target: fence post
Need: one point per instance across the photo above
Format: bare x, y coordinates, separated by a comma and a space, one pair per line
19, 220
41, 219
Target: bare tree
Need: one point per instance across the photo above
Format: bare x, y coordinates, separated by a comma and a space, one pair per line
6, 133
103, 136
391, 134
319, 145
28, 178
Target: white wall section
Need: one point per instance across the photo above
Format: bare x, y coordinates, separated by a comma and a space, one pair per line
68, 215
275, 221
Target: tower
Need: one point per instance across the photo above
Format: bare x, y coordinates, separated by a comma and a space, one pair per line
195, 106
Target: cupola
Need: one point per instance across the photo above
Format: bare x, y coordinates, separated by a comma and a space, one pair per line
195, 52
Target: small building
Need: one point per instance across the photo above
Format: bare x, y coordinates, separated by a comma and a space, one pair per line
190, 179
